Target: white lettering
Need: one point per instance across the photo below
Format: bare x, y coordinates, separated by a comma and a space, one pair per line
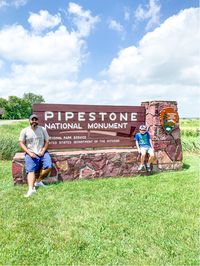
48, 115
81, 116
123, 116
106, 125
133, 116
102, 115
59, 116
112, 116
69, 115
92, 116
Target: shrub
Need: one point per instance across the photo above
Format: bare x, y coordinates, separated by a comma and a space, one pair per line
9, 139
9, 146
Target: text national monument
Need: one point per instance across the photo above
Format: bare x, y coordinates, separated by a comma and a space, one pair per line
93, 141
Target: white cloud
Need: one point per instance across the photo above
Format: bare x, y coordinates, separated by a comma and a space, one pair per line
161, 57
44, 20
18, 3
151, 13
15, 3
82, 19
46, 64
165, 65
60, 46
126, 14
114, 25
3, 3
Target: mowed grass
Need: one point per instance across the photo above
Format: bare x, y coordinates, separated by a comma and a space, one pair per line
115, 221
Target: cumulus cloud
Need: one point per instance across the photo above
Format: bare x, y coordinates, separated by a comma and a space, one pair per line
150, 13
159, 68
161, 57
43, 20
165, 65
82, 19
47, 64
60, 46
114, 25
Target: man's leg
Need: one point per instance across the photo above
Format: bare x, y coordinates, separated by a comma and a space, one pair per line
31, 165
43, 173
46, 163
31, 180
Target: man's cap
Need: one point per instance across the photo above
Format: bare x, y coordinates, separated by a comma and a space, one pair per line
33, 116
143, 127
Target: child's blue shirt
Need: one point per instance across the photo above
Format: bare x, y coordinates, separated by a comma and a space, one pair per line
143, 139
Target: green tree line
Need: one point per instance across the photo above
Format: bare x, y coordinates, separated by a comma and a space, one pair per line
19, 108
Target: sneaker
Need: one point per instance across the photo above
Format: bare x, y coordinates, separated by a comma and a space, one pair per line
30, 193
148, 168
39, 184
141, 167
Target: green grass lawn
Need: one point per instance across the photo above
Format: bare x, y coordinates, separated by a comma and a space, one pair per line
116, 221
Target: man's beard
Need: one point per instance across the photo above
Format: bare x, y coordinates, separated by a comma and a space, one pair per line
34, 124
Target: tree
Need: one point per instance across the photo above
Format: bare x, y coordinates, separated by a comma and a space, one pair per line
3, 102
33, 98
17, 108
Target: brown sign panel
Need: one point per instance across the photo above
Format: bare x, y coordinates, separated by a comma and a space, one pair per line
88, 126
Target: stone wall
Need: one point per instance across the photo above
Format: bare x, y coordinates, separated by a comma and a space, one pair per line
70, 165
167, 147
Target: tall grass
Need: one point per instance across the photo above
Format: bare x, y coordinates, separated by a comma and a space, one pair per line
9, 135
190, 134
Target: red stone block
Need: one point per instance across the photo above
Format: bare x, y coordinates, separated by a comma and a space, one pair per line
17, 168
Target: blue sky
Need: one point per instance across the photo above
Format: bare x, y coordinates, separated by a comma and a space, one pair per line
102, 52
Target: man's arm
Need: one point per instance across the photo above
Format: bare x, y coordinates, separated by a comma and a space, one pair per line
24, 148
46, 144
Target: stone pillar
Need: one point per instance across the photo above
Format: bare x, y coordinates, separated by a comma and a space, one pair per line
167, 146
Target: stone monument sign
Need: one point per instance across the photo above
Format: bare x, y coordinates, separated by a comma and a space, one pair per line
76, 130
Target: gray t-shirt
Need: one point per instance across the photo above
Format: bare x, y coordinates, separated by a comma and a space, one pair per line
34, 138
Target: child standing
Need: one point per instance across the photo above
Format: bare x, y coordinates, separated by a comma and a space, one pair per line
144, 146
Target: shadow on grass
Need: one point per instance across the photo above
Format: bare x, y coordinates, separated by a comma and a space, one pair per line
186, 166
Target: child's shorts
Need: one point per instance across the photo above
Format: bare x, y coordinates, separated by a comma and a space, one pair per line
145, 150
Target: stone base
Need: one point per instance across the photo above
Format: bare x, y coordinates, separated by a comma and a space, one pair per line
87, 164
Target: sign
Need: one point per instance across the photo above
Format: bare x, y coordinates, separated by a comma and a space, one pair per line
168, 118
89, 126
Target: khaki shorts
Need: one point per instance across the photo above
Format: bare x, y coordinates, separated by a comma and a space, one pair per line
147, 150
